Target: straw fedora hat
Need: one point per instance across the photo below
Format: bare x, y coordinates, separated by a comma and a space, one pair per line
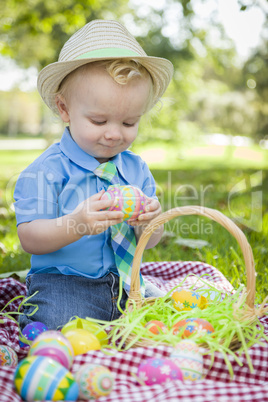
101, 40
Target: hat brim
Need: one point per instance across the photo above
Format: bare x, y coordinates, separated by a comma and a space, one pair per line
50, 78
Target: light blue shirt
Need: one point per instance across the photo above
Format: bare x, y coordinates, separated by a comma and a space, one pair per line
54, 184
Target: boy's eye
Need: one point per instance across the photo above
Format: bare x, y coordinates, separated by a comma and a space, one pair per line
98, 123
129, 125
101, 123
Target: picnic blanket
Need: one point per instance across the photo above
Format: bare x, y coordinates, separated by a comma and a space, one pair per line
217, 385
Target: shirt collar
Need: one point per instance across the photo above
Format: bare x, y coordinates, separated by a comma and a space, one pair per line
76, 154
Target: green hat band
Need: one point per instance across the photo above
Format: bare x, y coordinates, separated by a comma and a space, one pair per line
108, 52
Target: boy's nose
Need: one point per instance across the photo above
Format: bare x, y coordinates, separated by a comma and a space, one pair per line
113, 133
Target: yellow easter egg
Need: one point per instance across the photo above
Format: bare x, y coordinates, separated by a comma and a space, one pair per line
94, 328
186, 300
82, 341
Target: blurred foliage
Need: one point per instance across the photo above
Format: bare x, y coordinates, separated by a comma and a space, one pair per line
211, 91
45, 26
256, 70
19, 112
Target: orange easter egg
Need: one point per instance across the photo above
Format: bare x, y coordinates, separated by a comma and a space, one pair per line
156, 327
192, 326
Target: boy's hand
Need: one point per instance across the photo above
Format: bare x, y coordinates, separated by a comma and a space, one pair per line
90, 216
152, 210
43, 236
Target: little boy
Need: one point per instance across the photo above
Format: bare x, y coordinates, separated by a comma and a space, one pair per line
101, 86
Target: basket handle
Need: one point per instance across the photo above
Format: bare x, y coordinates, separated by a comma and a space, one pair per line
216, 216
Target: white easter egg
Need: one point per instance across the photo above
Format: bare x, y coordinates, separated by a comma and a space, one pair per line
8, 356
187, 357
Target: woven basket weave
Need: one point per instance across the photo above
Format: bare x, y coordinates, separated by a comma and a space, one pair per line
250, 313
208, 213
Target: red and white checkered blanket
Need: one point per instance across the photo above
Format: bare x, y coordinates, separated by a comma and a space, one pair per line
217, 385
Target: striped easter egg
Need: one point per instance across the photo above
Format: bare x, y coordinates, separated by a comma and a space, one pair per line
54, 345
130, 200
39, 378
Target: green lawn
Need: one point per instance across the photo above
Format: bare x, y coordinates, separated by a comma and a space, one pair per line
227, 183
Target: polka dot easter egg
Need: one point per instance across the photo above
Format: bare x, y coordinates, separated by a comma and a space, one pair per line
54, 345
130, 200
31, 331
94, 381
187, 357
186, 300
158, 371
192, 326
39, 378
8, 356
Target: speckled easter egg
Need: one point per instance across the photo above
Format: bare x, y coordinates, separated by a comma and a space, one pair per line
54, 345
157, 371
39, 378
192, 326
130, 200
187, 357
31, 331
8, 356
156, 327
185, 300
94, 381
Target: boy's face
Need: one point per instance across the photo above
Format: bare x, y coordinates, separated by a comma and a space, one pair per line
103, 115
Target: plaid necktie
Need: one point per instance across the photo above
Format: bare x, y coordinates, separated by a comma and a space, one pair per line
123, 236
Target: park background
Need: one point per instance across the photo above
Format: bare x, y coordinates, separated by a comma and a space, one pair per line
206, 142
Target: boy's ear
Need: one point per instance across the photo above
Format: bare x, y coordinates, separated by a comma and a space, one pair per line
62, 108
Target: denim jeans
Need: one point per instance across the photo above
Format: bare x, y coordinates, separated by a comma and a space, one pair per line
61, 297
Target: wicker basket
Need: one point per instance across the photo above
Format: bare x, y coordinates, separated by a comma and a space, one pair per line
250, 313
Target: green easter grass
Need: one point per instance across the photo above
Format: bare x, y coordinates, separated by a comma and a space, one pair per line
235, 330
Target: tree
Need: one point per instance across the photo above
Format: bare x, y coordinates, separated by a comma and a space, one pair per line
208, 90
255, 73
33, 32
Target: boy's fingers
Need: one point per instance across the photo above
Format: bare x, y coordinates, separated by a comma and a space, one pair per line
96, 204
152, 205
148, 216
108, 215
103, 204
97, 196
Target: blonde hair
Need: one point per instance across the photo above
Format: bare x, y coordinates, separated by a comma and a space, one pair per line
121, 70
